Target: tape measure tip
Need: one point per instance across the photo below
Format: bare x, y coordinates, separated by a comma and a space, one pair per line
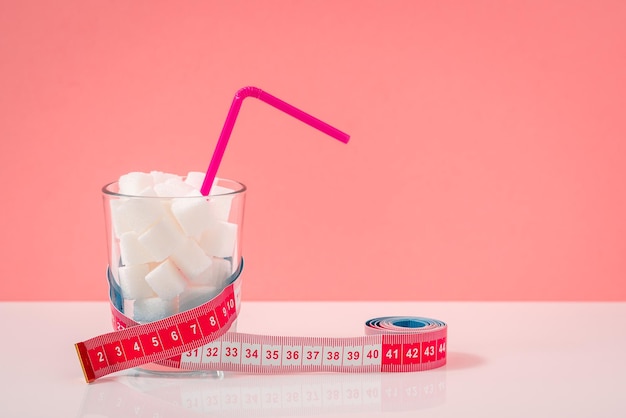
83, 357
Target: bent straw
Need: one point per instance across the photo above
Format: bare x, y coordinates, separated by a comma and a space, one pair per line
232, 116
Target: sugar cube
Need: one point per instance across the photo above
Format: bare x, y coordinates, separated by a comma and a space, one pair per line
195, 179
219, 190
219, 239
193, 214
133, 281
173, 187
132, 183
221, 202
153, 309
216, 275
161, 177
114, 261
132, 251
136, 214
190, 259
196, 295
119, 223
162, 239
166, 281
194, 193
147, 192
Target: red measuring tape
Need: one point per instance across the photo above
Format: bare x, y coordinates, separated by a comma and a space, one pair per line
198, 339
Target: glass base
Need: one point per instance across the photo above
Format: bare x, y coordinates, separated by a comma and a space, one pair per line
158, 370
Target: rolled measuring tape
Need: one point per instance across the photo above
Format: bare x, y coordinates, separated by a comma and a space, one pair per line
198, 339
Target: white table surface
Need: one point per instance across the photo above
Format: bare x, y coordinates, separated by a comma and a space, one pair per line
505, 359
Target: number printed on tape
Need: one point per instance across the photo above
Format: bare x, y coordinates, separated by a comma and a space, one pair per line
371, 354
231, 352
208, 322
211, 352
392, 354
292, 355
429, 351
132, 348
312, 355
194, 356
332, 355
114, 353
441, 349
412, 353
151, 343
272, 354
97, 358
251, 354
170, 337
353, 355
190, 331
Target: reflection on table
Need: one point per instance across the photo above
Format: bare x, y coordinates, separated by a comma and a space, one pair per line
140, 394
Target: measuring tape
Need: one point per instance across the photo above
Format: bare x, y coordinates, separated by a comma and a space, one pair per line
197, 339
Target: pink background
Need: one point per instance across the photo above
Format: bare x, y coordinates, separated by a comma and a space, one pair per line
487, 159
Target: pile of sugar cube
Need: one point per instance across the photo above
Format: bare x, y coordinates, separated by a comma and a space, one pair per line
173, 249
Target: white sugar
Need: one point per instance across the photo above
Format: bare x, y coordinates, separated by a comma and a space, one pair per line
133, 282
219, 239
162, 239
191, 260
153, 309
166, 281
132, 183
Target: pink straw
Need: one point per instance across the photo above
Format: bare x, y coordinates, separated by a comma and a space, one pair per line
232, 116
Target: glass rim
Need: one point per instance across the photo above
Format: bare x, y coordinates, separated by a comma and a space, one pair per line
241, 189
